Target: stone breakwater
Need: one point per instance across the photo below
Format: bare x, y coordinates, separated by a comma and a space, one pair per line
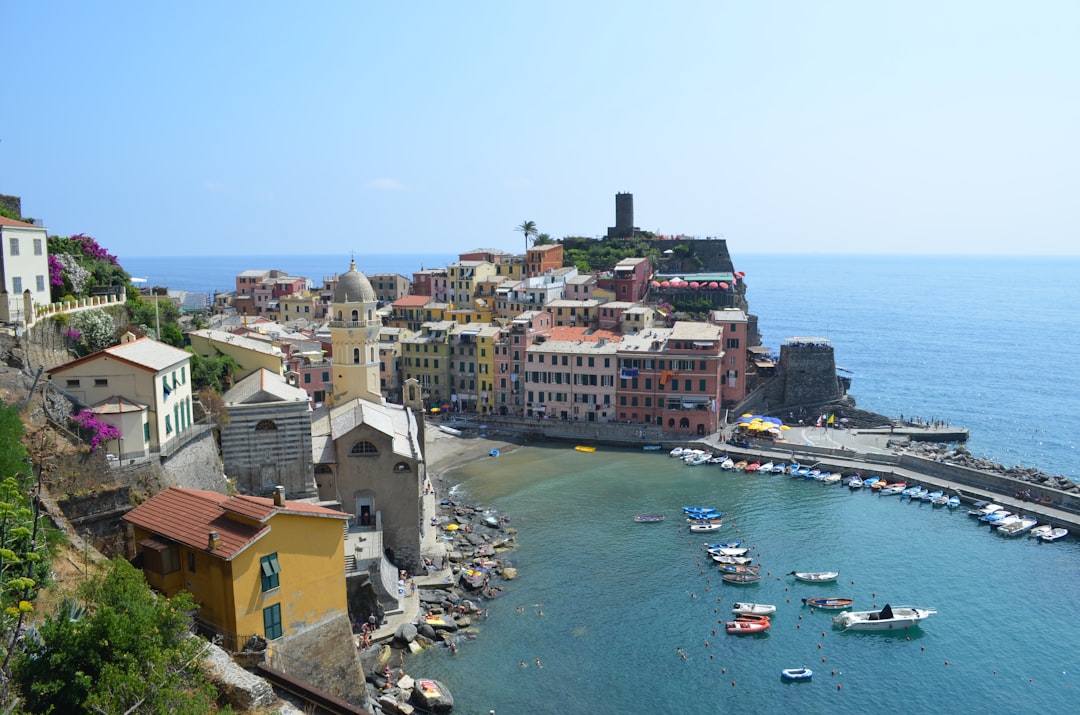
478, 543
961, 457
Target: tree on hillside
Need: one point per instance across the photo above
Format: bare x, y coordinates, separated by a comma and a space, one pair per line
119, 648
212, 373
78, 266
527, 228
95, 330
543, 239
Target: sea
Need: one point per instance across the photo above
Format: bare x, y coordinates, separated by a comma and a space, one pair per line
613, 616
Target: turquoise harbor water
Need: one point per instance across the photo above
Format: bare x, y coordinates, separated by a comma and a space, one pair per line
618, 598
985, 343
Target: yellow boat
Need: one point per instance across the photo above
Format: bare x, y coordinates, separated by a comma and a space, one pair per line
584, 448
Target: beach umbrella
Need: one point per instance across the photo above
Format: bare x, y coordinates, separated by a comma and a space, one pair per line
665, 284
435, 409
784, 427
655, 284
748, 415
723, 285
452, 527
695, 285
713, 284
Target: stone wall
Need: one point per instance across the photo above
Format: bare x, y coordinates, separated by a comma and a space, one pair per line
323, 655
808, 372
196, 465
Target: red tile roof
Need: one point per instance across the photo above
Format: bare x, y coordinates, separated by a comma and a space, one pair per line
564, 332
187, 516
5, 221
412, 301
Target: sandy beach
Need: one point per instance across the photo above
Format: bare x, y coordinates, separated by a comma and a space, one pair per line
444, 452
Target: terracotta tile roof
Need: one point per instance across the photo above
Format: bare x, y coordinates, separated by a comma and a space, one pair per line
5, 221
187, 516
567, 333
412, 301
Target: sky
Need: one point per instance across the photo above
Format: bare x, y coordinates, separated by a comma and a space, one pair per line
266, 128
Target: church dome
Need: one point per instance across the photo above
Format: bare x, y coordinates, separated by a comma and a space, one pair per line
353, 287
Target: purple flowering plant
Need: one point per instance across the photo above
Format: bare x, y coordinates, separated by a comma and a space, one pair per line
97, 430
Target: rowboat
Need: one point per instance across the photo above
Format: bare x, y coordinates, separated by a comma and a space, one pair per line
763, 609
729, 551
941, 500
829, 603
1054, 534
815, 576
796, 674
738, 568
1038, 531
736, 560
931, 496
954, 502
742, 628
740, 466
765, 468
752, 467
741, 578
832, 479
887, 619
855, 482
706, 510
752, 617
704, 525
585, 448
648, 518
870, 481
779, 468
727, 464
724, 545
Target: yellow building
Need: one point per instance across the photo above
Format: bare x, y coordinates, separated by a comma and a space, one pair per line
300, 306
425, 358
257, 566
463, 277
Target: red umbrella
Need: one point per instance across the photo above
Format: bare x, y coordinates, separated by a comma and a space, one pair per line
723, 285
665, 284
655, 284
740, 274
714, 285
695, 285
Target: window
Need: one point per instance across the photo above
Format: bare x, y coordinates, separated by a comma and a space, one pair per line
326, 377
272, 622
37, 247
401, 467
72, 383
16, 281
14, 246
191, 561
265, 425
101, 382
40, 283
364, 449
168, 425
269, 568
307, 378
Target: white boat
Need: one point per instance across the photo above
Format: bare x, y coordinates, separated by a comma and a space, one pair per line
832, 479
1006, 523
982, 511
887, 619
704, 526
855, 483
727, 464
953, 502
765, 468
815, 576
729, 551
698, 458
1054, 534
677, 452
1038, 531
733, 560
450, 430
757, 609
1022, 525
779, 468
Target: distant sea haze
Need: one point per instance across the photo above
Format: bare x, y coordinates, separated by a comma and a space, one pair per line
209, 274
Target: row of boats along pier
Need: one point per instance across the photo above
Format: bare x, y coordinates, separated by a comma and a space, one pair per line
977, 491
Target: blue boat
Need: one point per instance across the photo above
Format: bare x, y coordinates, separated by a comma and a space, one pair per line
794, 674
931, 496
802, 472
954, 501
724, 545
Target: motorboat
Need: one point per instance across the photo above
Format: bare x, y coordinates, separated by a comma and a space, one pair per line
822, 476
890, 491
833, 604
1005, 524
740, 466
738, 568
995, 516
793, 467
831, 479
724, 545
795, 674
856, 482
953, 502
752, 467
779, 468
765, 468
753, 617
729, 551
1054, 534
704, 525
987, 508
931, 496
812, 474
870, 481
762, 609
1021, 526
727, 464
802, 472
940, 500
742, 628
815, 576
648, 518
688, 510
887, 619
1039, 530
676, 452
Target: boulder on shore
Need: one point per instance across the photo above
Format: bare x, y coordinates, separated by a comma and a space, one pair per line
432, 695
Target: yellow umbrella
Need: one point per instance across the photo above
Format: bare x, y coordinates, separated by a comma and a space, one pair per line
748, 415
452, 527
784, 427
435, 409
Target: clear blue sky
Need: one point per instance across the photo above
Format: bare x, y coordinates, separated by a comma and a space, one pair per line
203, 128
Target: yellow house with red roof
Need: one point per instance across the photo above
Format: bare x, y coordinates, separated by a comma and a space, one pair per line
256, 566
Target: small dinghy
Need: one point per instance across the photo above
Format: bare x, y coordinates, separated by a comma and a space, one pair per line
743, 628
648, 518
744, 578
815, 576
763, 609
796, 674
830, 603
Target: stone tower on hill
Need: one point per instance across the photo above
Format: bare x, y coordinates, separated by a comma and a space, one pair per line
354, 337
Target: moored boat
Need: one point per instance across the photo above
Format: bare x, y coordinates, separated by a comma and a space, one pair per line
1038, 531
737, 560
753, 617
953, 502
738, 568
931, 496
855, 482
765, 468
676, 452
763, 609
742, 628
796, 674
740, 466
815, 576
585, 448
741, 578
648, 518
1054, 534
1021, 526
831, 479
704, 525
752, 467
829, 603
729, 551
887, 619
727, 464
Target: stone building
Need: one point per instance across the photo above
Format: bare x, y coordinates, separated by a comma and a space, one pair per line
267, 441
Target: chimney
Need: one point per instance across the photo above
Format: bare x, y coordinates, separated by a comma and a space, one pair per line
279, 496
213, 541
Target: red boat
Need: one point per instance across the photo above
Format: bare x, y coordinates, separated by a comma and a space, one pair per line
752, 618
743, 628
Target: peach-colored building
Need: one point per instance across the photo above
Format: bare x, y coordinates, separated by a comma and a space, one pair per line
572, 379
509, 361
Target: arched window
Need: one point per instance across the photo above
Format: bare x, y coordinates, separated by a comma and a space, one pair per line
401, 467
355, 316
356, 356
364, 449
671, 422
684, 422
339, 315
265, 425
323, 469
369, 314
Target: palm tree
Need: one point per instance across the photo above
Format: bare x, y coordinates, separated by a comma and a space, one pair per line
529, 229
543, 239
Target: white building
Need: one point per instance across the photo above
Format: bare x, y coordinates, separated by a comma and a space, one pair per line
24, 269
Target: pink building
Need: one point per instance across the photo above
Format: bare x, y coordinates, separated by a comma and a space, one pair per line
733, 381
572, 375
509, 360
